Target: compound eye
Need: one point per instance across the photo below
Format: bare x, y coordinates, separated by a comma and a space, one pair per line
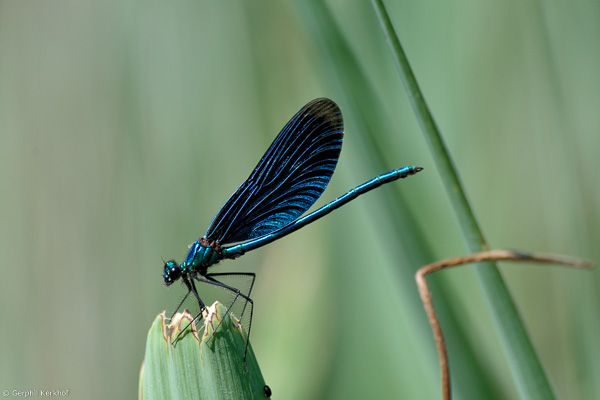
172, 272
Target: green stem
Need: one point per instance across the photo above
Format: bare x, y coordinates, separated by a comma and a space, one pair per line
203, 364
530, 378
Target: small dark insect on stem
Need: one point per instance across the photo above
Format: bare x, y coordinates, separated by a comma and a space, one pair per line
492, 255
267, 390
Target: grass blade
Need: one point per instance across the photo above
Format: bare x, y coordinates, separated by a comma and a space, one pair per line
525, 366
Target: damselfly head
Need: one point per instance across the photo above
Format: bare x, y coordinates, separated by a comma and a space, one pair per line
172, 272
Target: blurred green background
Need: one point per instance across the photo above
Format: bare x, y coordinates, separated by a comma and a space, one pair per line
125, 125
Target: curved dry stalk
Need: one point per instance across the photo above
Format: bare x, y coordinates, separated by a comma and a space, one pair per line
491, 255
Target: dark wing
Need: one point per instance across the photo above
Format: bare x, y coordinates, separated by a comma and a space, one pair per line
288, 179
